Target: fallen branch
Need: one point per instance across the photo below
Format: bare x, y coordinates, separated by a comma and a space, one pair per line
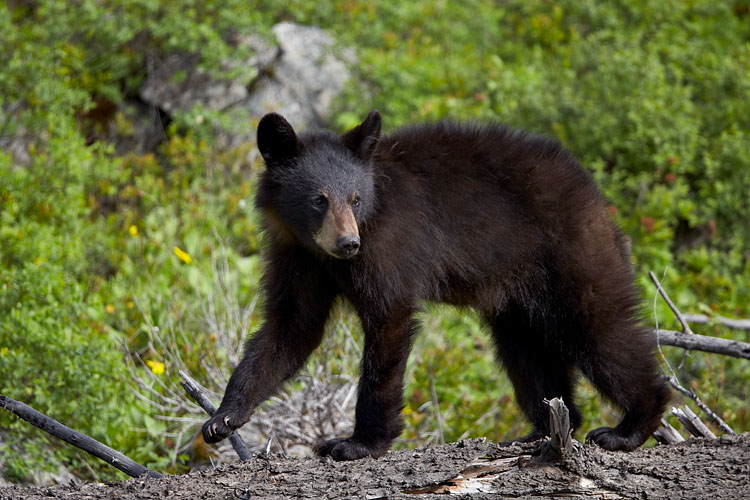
666, 434
192, 389
675, 383
692, 423
86, 443
673, 380
695, 342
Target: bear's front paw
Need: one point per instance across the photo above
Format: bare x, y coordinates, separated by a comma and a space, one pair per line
348, 449
218, 427
614, 439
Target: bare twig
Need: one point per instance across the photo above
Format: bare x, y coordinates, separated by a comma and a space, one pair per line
82, 441
436, 406
677, 313
191, 387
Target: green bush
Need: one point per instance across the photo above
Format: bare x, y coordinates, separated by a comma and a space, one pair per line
56, 352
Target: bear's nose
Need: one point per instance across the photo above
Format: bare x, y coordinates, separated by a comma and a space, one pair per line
348, 244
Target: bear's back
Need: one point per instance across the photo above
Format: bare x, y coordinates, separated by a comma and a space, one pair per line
482, 207
484, 174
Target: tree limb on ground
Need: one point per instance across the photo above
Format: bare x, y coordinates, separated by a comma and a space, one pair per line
82, 441
192, 389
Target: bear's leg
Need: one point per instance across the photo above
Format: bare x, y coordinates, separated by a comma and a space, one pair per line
295, 315
537, 369
380, 393
619, 360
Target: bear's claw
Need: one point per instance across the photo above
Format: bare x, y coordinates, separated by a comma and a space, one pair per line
217, 428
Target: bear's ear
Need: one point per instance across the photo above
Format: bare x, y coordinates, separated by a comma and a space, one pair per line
363, 138
277, 141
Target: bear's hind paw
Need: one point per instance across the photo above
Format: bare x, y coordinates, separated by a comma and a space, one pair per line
613, 439
348, 449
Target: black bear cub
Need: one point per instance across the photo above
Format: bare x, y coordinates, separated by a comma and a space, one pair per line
472, 215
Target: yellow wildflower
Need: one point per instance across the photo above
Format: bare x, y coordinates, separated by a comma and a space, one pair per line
4, 351
110, 308
133, 230
156, 366
183, 255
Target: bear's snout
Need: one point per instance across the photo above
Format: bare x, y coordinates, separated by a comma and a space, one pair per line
347, 246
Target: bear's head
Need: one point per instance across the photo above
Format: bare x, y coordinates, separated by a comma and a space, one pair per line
318, 186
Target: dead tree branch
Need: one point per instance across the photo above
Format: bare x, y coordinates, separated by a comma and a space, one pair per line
704, 343
675, 311
673, 379
675, 383
692, 423
666, 434
86, 443
191, 387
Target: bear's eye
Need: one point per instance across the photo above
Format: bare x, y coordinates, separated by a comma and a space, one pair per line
319, 201
355, 201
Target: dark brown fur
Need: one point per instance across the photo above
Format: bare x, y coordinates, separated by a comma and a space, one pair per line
480, 216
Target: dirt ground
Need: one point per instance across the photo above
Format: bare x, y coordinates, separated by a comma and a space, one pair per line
473, 469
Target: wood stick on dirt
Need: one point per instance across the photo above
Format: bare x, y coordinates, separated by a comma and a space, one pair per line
82, 441
192, 389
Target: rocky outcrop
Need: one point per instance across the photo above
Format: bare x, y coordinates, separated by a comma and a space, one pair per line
299, 78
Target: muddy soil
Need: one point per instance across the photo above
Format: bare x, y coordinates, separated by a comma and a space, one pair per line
473, 469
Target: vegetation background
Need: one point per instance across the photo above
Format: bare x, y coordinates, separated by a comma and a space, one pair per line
102, 248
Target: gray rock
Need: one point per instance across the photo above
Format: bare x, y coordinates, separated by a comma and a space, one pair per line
177, 84
299, 78
14, 140
305, 78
